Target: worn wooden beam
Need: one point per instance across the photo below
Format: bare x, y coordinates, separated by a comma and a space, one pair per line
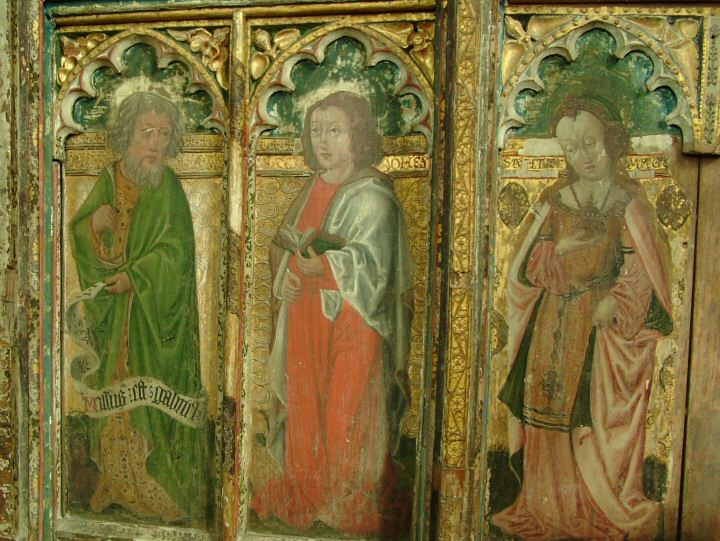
624, 3
8, 271
700, 508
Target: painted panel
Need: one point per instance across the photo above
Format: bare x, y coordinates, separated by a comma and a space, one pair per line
139, 125
593, 225
339, 270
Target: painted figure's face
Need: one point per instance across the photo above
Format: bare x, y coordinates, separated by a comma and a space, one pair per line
583, 143
144, 161
151, 138
331, 138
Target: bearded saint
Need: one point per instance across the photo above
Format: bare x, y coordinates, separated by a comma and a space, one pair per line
134, 232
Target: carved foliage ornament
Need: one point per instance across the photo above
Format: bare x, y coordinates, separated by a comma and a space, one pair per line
213, 49
269, 48
463, 244
417, 38
110, 53
75, 50
679, 39
546, 36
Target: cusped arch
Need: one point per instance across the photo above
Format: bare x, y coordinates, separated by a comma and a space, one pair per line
628, 38
110, 54
313, 48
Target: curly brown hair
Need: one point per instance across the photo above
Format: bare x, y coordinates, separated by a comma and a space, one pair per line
364, 134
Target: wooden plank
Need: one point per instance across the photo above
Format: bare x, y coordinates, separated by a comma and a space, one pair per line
632, 3
700, 505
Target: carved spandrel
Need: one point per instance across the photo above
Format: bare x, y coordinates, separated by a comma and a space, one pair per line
74, 50
213, 49
682, 44
269, 47
679, 36
418, 38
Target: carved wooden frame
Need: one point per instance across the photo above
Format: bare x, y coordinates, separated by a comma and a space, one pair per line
468, 115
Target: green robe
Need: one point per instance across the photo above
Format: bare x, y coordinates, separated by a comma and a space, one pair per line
163, 332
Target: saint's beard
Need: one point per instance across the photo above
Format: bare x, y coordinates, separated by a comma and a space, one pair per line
145, 176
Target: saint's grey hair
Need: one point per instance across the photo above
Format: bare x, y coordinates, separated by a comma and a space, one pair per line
122, 124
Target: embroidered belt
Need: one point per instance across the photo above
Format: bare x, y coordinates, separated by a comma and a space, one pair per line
577, 292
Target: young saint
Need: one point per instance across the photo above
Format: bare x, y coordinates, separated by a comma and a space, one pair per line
342, 333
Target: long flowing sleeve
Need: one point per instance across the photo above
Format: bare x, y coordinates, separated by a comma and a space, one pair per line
90, 265
543, 268
632, 292
375, 265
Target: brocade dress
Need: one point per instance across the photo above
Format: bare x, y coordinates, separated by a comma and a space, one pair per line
580, 392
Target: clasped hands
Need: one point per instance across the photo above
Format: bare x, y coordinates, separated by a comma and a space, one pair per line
311, 266
105, 219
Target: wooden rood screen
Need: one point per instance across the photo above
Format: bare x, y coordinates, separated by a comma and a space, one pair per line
398, 269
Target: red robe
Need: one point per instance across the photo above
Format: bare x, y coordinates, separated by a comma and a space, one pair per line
336, 438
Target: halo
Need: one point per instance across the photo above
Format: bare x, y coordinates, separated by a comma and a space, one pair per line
302, 103
171, 89
361, 88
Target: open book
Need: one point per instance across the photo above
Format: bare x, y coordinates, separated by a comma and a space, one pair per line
291, 239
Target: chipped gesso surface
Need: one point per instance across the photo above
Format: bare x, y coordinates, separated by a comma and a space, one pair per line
8, 415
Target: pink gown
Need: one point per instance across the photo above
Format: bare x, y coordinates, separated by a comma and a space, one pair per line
585, 389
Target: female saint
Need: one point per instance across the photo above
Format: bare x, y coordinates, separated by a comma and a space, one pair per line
588, 300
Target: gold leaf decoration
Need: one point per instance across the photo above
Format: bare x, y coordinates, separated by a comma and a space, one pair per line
397, 32
516, 48
74, 51
514, 28
540, 26
213, 49
655, 26
679, 38
673, 207
688, 27
261, 39
269, 48
417, 38
422, 47
513, 51
259, 64
285, 38
513, 204
524, 40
